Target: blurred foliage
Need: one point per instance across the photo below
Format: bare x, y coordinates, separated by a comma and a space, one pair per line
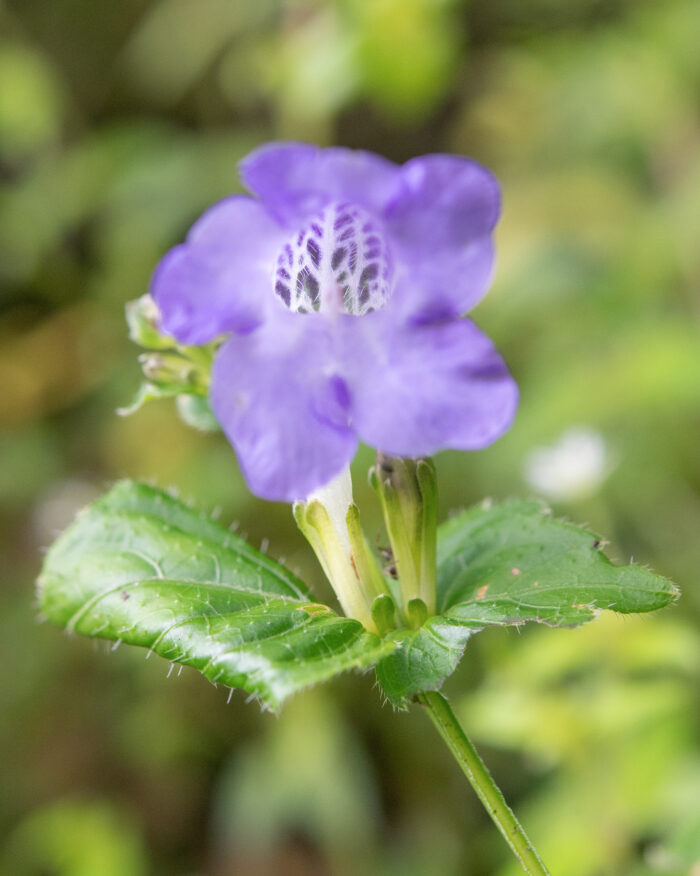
603, 713
76, 838
119, 123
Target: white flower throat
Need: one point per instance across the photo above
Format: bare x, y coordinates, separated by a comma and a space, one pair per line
339, 262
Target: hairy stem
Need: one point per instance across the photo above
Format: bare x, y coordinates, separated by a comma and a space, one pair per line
481, 780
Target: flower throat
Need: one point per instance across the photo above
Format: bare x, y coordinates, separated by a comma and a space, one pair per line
338, 262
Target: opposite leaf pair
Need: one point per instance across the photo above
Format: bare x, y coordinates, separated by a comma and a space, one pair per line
141, 567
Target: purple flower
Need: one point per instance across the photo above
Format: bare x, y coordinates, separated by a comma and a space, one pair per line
341, 285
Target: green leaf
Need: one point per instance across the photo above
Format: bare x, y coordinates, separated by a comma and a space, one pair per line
508, 564
423, 659
141, 567
512, 562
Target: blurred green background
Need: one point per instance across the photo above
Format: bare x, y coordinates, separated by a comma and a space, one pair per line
119, 123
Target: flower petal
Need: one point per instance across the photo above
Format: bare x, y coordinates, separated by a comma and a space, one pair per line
440, 224
221, 278
296, 180
417, 389
444, 287
443, 202
283, 406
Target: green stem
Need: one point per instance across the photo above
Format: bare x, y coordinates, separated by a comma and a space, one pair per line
481, 780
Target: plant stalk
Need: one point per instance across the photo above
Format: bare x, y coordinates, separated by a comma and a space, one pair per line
481, 780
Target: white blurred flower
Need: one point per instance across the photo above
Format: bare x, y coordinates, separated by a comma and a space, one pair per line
573, 468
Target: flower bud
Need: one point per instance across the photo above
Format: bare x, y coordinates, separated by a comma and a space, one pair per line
142, 319
171, 369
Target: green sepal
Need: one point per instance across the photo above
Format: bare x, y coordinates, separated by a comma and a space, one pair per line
372, 581
345, 557
316, 526
426, 476
384, 614
141, 567
407, 490
416, 613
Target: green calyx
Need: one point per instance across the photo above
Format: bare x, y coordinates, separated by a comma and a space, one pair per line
336, 536
407, 490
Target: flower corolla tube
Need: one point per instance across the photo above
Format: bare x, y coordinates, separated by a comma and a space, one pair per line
340, 286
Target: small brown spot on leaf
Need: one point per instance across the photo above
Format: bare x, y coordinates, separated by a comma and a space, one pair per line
515, 571
125, 595
481, 592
